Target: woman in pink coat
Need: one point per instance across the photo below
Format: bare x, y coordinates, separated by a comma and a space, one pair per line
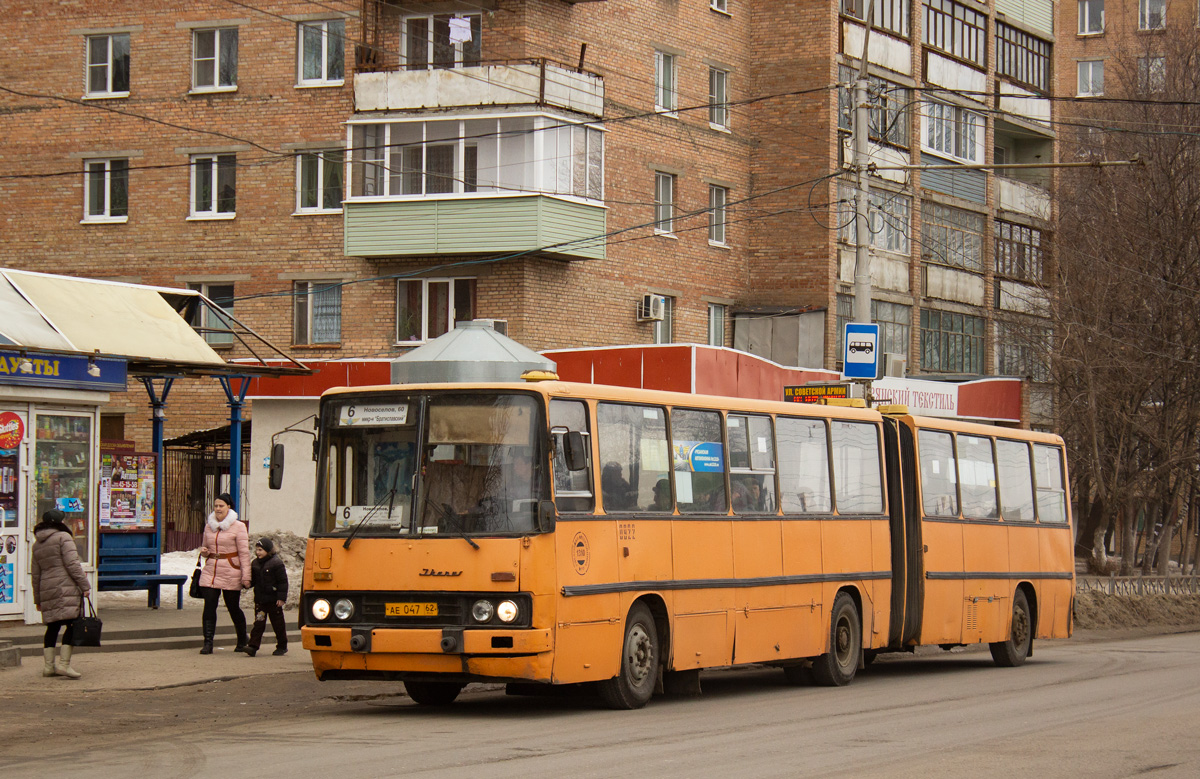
227, 570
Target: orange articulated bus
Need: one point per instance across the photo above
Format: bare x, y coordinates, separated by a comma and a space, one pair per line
556, 533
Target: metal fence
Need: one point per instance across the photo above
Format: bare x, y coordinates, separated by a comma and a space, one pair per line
1140, 585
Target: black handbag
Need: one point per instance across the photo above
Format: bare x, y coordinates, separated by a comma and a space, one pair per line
194, 590
86, 630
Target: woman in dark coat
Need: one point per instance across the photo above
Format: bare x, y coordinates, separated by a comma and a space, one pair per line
59, 586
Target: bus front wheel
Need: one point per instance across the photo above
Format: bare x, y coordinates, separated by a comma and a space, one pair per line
433, 693
634, 683
1011, 653
836, 667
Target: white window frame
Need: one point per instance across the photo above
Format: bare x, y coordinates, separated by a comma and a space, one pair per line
450, 312
406, 63
664, 203
105, 215
889, 218
718, 214
666, 82
308, 290
212, 164
213, 64
952, 131
208, 319
1152, 74
324, 26
717, 314
108, 66
1088, 11
718, 98
720, 6
323, 167
1146, 17
1087, 89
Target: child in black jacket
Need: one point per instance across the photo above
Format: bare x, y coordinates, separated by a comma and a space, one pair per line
268, 577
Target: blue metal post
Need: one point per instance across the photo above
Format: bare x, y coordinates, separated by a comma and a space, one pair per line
235, 392
158, 404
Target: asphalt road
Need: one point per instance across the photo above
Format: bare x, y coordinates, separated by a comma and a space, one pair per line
1077, 709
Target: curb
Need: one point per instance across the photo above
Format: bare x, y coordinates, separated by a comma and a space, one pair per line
140, 641
10, 656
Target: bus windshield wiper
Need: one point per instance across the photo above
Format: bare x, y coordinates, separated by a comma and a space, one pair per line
391, 499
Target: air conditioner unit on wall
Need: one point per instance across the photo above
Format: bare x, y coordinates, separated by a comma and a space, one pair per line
652, 308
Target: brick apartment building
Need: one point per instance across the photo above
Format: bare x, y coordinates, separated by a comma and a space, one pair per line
348, 178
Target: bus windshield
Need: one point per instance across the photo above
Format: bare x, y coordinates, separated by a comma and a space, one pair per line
430, 464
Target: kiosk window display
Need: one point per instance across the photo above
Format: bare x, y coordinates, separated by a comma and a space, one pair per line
63, 468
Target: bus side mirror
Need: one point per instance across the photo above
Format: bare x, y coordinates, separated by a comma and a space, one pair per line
574, 451
547, 516
275, 475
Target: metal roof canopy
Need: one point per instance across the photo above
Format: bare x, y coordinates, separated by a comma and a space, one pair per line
472, 351
143, 325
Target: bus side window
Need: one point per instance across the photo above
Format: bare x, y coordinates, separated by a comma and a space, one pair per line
572, 489
751, 463
803, 466
939, 477
1016, 480
1048, 477
977, 477
857, 482
634, 453
699, 461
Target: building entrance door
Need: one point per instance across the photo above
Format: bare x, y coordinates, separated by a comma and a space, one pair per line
13, 490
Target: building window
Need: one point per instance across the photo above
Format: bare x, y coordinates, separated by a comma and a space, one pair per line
214, 185
719, 5
1091, 78
318, 312
716, 324
718, 197
665, 82
952, 236
887, 120
888, 219
664, 328
954, 132
1091, 17
319, 181
427, 308
1022, 57
664, 203
1152, 74
1152, 14
322, 52
106, 191
1018, 251
951, 343
718, 98
215, 58
956, 30
1022, 350
894, 320
890, 15
419, 159
442, 41
108, 65
209, 323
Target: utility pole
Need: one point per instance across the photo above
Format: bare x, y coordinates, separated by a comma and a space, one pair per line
862, 227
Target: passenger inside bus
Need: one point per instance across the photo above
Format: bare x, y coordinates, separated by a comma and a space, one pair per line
662, 496
617, 492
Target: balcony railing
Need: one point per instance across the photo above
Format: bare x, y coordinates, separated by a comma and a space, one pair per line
1022, 198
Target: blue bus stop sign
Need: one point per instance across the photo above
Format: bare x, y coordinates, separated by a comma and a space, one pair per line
860, 351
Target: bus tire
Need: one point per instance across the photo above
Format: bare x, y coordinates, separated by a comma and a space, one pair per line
836, 667
634, 683
1011, 653
433, 693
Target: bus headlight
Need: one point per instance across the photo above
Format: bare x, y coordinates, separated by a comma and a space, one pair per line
320, 609
482, 611
507, 611
343, 609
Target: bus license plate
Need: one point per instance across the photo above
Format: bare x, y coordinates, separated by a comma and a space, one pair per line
411, 609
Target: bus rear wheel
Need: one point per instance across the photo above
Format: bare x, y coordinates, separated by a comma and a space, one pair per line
1014, 651
634, 683
836, 667
433, 693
